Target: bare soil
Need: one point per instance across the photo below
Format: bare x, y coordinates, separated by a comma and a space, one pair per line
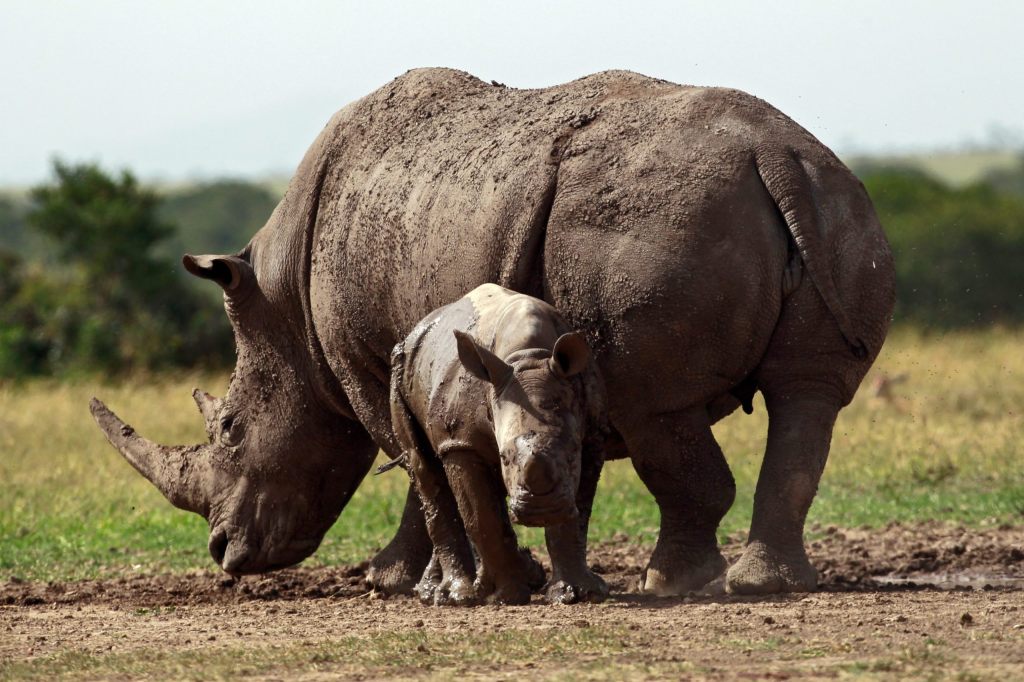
905, 600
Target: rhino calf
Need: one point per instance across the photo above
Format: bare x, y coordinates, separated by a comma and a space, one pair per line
494, 394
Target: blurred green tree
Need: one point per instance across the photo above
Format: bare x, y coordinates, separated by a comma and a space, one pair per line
1008, 180
215, 217
958, 252
14, 233
113, 303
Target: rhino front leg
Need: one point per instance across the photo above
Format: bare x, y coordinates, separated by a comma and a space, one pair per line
397, 568
680, 462
799, 434
572, 581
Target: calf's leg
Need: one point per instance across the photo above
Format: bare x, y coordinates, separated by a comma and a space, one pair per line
448, 577
572, 581
504, 575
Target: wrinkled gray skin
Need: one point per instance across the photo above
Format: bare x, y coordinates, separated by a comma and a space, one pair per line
706, 244
488, 397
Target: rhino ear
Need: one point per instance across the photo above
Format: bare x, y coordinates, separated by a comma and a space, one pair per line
570, 355
230, 272
480, 362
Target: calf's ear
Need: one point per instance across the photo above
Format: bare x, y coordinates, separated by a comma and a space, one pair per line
570, 354
480, 362
230, 272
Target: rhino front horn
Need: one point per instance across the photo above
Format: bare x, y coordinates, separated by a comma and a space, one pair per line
182, 473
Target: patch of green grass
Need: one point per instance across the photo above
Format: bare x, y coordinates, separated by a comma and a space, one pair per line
766, 644
947, 447
922, 662
385, 653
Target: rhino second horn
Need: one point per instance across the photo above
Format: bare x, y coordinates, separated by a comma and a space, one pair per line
182, 473
209, 406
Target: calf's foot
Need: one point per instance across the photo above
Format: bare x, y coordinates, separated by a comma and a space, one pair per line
456, 590
429, 584
762, 570
535, 575
586, 587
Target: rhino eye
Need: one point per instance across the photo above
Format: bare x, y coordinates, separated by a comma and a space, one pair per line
229, 434
549, 404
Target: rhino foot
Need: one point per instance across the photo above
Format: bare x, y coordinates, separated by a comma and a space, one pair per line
673, 578
440, 590
536, 577
513, 584
762, 570
511, 593
397, 568
393, 577
587, 588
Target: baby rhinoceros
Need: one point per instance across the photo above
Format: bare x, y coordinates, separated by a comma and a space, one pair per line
494, 395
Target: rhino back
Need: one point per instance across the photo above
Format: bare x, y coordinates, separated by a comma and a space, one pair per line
629, 203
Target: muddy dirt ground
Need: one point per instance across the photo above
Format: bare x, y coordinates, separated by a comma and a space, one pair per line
901, 601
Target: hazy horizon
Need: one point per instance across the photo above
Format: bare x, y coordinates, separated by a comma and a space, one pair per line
191, 91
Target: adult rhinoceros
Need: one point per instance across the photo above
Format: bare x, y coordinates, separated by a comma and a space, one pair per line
707, 244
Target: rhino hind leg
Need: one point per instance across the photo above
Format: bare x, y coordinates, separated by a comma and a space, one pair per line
774, 560
806, 376
682, 465
398, 567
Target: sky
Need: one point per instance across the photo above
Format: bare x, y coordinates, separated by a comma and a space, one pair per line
180, 90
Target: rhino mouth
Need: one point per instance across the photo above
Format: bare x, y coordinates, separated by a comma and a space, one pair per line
551, 509
237, 557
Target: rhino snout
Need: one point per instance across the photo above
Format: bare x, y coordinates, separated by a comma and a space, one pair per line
231, 554
236, 555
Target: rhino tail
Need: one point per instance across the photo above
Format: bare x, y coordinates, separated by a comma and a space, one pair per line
786, 181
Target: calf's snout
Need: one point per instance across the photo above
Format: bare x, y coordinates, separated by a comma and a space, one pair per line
539, 477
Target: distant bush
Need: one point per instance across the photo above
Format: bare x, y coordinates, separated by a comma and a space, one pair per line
24, 344
111, 303
215, 217
15, 235
959, 252
1008, 180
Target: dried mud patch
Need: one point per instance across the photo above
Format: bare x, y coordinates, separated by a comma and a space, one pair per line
900, 556
321, 622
